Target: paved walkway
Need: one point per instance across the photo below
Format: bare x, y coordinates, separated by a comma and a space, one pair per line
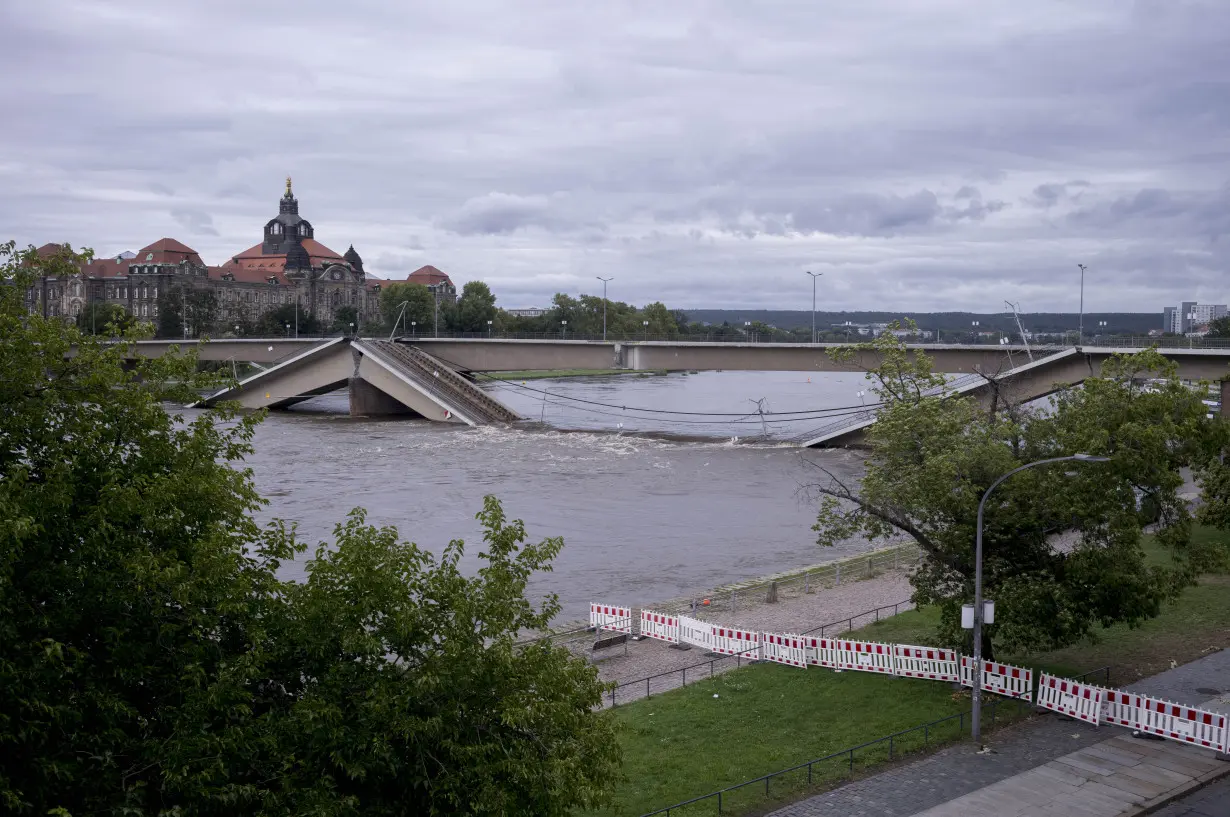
956, 782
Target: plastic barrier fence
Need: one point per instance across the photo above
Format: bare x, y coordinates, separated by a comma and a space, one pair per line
695, 632
1122, 708
820, 652
1076, 700
660, 626
736, 642
784, 648
609, 617
1002, 679
926, 662
1182, 723
867, 656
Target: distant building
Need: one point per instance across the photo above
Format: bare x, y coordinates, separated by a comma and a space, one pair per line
288, 265
438, 282
1191, 318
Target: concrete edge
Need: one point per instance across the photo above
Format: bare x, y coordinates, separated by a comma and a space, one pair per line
1163, 800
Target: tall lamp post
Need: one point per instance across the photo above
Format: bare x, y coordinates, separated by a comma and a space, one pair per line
814, 276
604, 283
976, 715
1080, 332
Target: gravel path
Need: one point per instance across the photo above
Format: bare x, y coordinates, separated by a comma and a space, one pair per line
839, 606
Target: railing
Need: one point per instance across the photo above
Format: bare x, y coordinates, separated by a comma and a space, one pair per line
895, 744
739, 657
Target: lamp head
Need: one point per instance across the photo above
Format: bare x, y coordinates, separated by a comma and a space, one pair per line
1090, 458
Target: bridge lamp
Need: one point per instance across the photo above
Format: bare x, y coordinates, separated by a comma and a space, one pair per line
351, 328
814, 276
564, 329
413, 324
489, 328
288, 330
980, 611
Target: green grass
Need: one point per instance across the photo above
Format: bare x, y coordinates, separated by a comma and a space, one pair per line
768, 717
553, 373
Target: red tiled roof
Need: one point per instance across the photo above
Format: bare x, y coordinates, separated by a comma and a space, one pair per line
255, 258
246, 275
49, 249
428, 276
167, 251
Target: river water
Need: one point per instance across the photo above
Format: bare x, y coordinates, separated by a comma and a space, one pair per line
644, 518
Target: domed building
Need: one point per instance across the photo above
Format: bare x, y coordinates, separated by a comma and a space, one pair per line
289, 265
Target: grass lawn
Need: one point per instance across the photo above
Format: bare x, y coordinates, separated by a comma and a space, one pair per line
768, 717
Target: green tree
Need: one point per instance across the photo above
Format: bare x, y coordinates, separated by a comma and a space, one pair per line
420, 307
475, 307
153, 662
933, 454
273, 322
661, 320
346, 320
102, 318
171, 313
1219, 328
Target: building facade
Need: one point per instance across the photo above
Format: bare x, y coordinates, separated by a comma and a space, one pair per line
1191, 318
288, 266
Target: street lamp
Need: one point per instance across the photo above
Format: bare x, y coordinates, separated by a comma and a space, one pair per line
288, 330
976, 715
351, 325
413, 328
1080, 336
488, 328
604, 283
563, 329
645, 328
814, 276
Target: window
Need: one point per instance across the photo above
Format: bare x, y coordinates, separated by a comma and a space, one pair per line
155, 292
155, 310
124, 292
144, 292
144, 310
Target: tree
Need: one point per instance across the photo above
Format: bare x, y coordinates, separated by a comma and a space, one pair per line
420, 307
153, 662
171, 313
346, 320
274, 322
933, 454
1219, 328
102, 318
475, 307
661, 320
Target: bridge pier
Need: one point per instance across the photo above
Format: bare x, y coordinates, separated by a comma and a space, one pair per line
368, 401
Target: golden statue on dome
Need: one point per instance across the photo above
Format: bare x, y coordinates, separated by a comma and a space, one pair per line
288, 193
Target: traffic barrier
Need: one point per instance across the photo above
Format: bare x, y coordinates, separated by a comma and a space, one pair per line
610, 617
1122, 708
728, 641
1076, 700
695, 632
1185, 724
784, 648
926, 662
1002, 679
820, 652
868, 656
660, 626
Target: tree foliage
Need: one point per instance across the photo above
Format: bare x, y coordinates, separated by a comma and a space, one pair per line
420, 307
474, 308
933, 454
102, 318
152, 661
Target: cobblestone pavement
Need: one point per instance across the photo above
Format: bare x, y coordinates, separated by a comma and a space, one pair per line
1211, 801
957, 771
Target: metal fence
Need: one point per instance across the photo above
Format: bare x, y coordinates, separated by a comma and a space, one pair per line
708, 669
841, 765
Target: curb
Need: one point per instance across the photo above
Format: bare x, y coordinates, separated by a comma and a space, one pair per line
1162, 800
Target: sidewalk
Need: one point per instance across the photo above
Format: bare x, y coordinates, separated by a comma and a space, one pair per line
1047, 766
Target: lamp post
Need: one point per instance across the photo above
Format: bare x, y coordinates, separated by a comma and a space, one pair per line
814, 276
645, 329
563, 330
414, 328
1080, 332
288, 330
976, 715
488, 329
604, 283
351, 325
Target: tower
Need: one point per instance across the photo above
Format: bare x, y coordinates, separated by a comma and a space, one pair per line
288, 227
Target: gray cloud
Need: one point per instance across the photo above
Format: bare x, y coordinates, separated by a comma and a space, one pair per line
703, 154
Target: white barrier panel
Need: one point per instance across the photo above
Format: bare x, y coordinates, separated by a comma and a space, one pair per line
867, 656
695, 632
609, 617
1122, 708
1076, 700
729, 641
660, 626
1183, 723
820, 652
926, 662
784, 648
1002, 679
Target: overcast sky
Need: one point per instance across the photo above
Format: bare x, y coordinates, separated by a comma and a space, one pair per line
923, 154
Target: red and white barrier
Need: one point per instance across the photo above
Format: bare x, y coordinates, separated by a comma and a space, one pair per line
1076, 700
1185, 724
1122, 708
820, 652
784, 648
660, 626
926, 662
1002, 679
728, 641
695, 632
609, 617
868, 656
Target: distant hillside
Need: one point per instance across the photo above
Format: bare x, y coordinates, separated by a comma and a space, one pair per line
1116, 322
